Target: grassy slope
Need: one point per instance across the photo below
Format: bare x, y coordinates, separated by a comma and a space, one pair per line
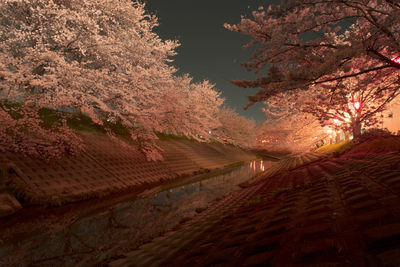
381, 144
338, 148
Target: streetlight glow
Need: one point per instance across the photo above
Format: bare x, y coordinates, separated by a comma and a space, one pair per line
357, 105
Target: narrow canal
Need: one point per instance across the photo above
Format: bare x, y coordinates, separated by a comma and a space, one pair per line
88, 239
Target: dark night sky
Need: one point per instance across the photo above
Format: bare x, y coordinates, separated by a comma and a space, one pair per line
208, 50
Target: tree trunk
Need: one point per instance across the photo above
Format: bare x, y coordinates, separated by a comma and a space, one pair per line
356, 128
346, 136
337, 138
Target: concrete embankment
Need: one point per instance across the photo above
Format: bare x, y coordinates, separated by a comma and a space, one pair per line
105, 168
337, 211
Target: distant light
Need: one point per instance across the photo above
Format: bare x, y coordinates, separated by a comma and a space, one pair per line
209, 132
396, 59
357, 105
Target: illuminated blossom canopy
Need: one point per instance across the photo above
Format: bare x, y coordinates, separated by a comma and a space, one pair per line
352, 103
100, 58
235, 129
396, 59
287, 126
300, 43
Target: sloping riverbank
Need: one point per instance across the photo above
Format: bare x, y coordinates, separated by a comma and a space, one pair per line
93, 231
341, 210
107, 168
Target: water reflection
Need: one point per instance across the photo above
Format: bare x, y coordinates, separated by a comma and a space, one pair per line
259, 165
129, 224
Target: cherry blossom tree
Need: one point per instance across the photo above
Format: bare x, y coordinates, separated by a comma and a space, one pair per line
202, 109
235, 128
100, 58
290, 128
353, 103
190, 108
97, 57
28, 137
342, 105
307, 42
287, 126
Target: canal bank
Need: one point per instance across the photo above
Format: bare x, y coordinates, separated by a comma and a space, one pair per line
85, 233
337, 211
105, 168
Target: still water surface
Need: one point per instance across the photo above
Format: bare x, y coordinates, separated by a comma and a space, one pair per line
126, 225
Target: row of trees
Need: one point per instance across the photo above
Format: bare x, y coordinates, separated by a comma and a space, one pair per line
287, 126
100, 58
336, 60
235, 129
